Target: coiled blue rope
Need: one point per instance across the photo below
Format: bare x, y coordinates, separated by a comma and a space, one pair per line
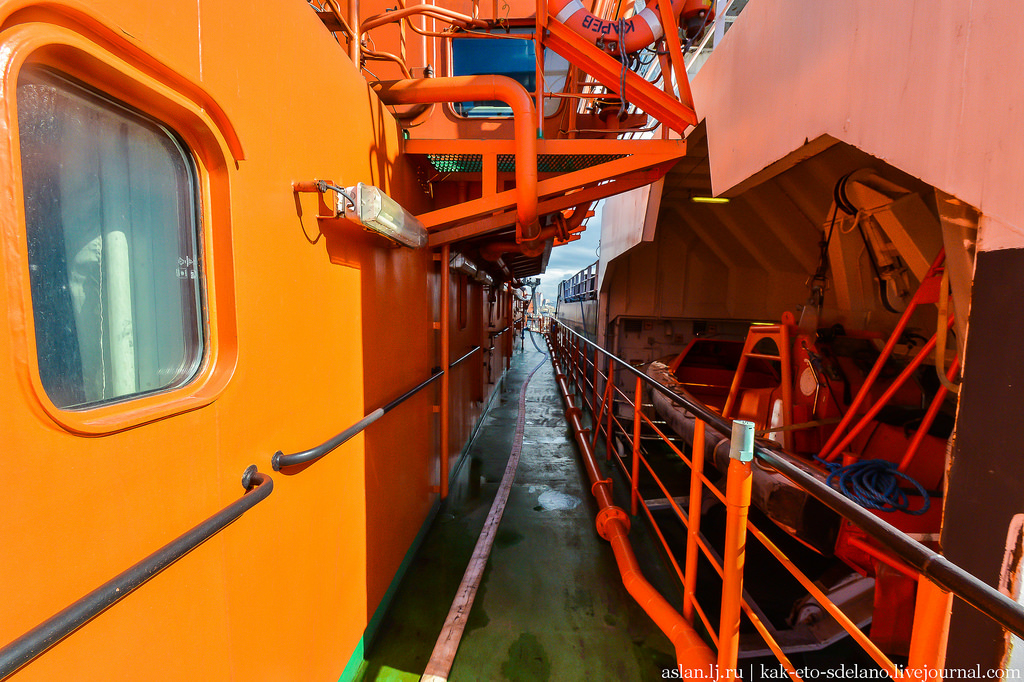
874, 484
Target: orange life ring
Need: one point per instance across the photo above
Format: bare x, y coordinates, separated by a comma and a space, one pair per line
638, 31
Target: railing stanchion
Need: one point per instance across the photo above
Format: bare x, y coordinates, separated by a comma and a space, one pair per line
611, 407
931, 629
693, 519
741, 457
635, 494
605, 405
594, 409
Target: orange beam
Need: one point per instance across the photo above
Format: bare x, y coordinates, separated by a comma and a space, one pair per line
608, 70
675, 148
560, 202
486, 206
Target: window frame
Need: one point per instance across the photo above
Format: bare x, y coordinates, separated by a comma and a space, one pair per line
173, 102
450, 65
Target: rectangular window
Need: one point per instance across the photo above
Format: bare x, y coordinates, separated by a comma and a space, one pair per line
514, 58
111, 213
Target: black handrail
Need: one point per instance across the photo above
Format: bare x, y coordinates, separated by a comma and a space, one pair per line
933, 565
281, 460
465, 357
43, 637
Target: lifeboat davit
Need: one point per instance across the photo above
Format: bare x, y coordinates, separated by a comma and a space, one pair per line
639, 30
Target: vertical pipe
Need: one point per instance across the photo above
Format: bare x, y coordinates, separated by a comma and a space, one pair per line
635, 490
785, 359
693, 519
931, 630
510, 339
445, 359
611, 408
353, 47
741, 457
538, 46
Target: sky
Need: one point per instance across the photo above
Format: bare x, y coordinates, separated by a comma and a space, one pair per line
569, 259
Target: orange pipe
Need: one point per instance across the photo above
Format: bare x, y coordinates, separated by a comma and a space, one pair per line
429, 10
737, 497
504, 89
492, 251
640, 30
613, 525
446, 283
693, 519
931, 630
354, 47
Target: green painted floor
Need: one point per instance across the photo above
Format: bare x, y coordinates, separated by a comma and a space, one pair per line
551, 605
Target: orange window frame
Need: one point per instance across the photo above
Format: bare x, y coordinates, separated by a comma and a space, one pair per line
157, 91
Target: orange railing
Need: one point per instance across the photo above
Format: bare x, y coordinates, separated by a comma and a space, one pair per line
938, 579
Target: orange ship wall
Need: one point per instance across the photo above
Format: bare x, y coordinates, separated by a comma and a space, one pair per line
312, 324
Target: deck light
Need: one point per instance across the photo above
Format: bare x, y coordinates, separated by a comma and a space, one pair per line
376, 211
463, 265
710, 200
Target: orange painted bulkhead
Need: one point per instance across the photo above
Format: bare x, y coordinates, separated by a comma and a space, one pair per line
310, 325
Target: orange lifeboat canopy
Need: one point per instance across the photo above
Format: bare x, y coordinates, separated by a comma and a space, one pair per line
639, 30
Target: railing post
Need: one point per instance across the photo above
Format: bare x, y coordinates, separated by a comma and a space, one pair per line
634, 497
693, 519
611, 407
741, 457
931, 630
594, 408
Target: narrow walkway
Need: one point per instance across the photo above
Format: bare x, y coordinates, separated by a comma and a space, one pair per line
551, 605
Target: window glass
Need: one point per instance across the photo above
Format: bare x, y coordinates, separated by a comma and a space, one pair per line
512, 58
111, 217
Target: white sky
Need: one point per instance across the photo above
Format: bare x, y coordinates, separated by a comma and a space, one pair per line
569, 259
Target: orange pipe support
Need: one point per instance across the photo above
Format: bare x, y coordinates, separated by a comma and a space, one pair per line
613, 525
501, 88
931, 631
738, 487
693, 519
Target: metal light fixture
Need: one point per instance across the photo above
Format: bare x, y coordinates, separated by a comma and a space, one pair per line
462, 264
710, 200
376, 211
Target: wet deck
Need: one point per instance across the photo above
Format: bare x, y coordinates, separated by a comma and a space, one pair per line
551, 605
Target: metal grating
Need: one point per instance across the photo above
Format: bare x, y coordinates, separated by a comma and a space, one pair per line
546, 163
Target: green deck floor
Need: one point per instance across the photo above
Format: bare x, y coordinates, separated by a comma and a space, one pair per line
551, 605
